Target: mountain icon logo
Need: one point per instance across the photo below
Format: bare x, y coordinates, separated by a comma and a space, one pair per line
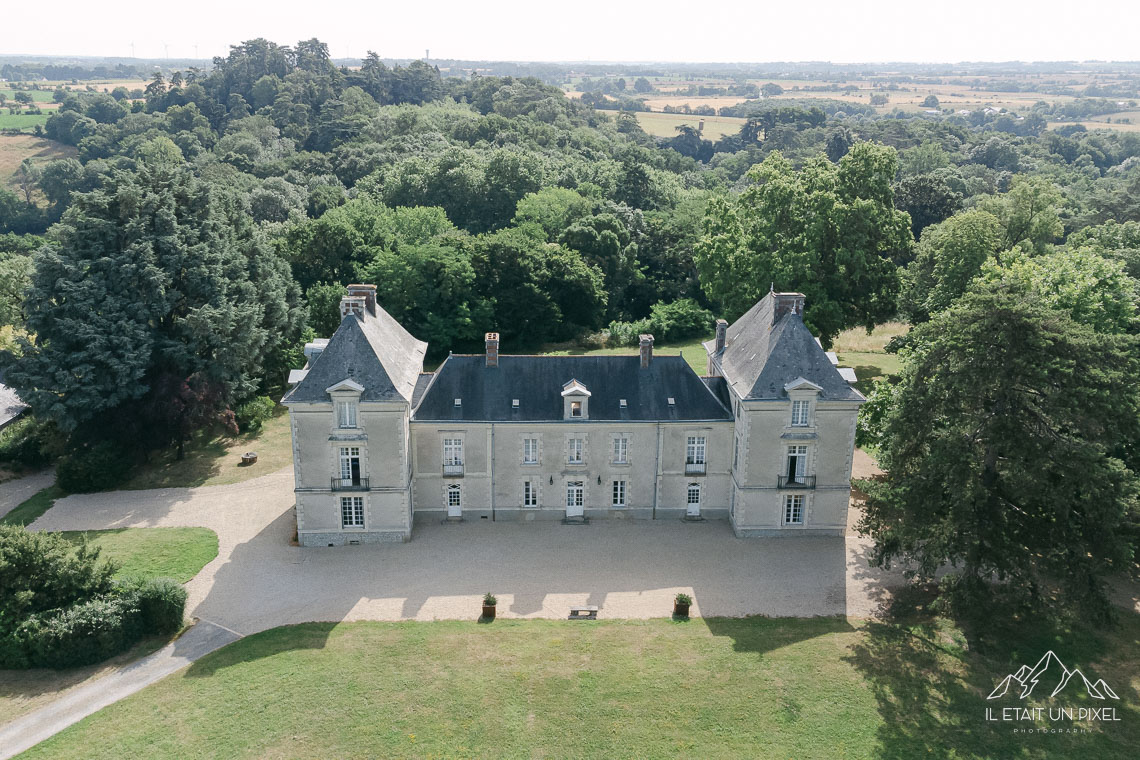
1049, 675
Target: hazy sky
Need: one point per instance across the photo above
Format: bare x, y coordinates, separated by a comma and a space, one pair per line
664, 30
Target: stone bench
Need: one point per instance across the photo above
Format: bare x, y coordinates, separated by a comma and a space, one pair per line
586, 612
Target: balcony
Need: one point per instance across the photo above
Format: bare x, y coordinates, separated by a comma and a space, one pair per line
694, 468
799, 481
453, 470
350, 484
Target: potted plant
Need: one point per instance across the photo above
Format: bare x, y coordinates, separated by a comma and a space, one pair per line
681, 604
489, 602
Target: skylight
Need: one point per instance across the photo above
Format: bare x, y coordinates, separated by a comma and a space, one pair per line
622, 403
514, 403
672, 401
459, 402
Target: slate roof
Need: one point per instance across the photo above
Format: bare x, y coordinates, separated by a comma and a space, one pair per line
537, 381
11, 407
760, 358
374, 351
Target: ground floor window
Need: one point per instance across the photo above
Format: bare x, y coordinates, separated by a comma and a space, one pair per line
619, 493
693, 494
352, 511
454, 496
530, 494
574, 494
794, 509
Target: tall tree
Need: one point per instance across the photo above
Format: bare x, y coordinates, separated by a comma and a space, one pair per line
830, 231
158, 280
1003, 448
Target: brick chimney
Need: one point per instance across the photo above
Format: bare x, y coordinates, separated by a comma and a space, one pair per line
352, 305
646, 342
368, 293
787, 303
492, 349
721, 334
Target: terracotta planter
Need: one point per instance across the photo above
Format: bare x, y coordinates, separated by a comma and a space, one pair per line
489, 611
680, 610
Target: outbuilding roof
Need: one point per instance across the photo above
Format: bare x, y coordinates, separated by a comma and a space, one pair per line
487, 393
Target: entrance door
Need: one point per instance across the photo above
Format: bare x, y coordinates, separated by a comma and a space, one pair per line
454, 501
693, 500
575, 499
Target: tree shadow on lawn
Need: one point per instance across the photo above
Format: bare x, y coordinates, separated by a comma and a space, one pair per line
760, 634
286, 638
931, 679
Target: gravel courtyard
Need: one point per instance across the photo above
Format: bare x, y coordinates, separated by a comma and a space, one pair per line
628, 569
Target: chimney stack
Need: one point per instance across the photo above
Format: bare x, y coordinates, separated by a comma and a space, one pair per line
352, 305
721, 335
492, 349
787, 303
646, 350
368, 293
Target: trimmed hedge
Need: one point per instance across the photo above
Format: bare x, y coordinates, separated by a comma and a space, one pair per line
162, 603
82, 634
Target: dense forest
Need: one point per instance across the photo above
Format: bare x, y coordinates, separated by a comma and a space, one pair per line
208, 224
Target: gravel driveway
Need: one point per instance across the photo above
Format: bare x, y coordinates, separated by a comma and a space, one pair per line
629, 569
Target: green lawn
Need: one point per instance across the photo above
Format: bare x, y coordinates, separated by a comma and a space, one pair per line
177, 553
692, 350
216, 460
716, 688
38, 96
864, 353
21, 121
27, 511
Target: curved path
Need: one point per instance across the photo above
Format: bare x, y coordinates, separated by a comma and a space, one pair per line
629, 569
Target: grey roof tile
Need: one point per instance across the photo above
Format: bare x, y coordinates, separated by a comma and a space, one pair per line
537, 381
760, 358
375, 352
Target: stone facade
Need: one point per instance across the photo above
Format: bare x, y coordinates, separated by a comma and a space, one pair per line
378, 445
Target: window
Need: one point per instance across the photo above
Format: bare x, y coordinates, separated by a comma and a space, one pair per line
794, 509
350, 465
621, 450
797, 463
574, 451
454, 496
352, 511
800, 413
530, 451
346, 414
575, 408
453, 452
693, 494
619, 493
574, 493
530, 494
695, 450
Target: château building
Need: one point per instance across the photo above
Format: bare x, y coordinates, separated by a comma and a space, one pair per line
764, 441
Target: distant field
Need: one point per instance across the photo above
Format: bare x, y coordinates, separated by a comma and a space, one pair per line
24, 122
1092, 124
665, 124
15, 148
39, 96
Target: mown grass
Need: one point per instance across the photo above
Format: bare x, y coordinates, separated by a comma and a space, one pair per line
212, 460
713, 688
692, 350
863, 352
22, 121
29, 510
178, 553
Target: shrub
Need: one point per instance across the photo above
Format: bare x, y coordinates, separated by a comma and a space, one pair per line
626, 333
82, 634
94, 468
683, 599
162, 603
30, 443
252, 414
489, 599
44, 571
683, 318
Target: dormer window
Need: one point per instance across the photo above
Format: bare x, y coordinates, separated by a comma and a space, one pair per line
575, 401
345, 397
800, 409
